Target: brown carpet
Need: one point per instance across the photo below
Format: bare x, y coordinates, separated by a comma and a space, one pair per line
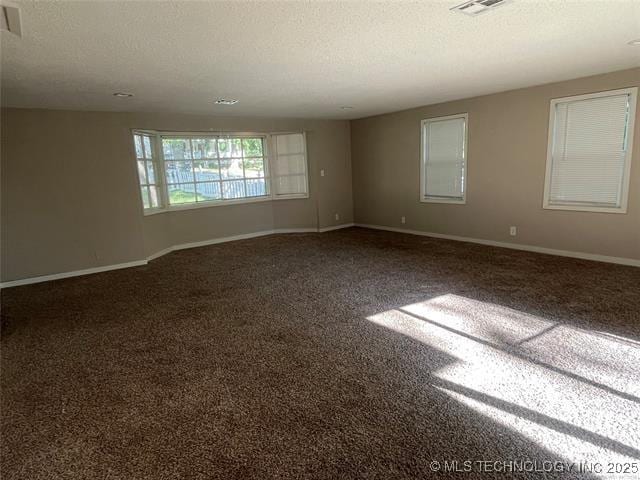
351, 354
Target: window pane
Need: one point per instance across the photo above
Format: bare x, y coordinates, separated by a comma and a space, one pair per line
138, 142
145, 197
184, 193
142, 175
153, 195
233, 189
206, 171
256, 187
176, 148
179, 172
252, 147
229, 147
231, 168
148, 153
204, 147
254, 167
151, 172
208, 191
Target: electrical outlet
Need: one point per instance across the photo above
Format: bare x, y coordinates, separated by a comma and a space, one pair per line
403, 220
513, 231
337, 216
322, 172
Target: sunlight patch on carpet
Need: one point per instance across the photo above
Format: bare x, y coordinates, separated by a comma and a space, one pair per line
574, 392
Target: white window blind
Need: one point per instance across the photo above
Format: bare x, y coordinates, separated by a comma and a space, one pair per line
589, 151
443, 163
590, 142
289, 165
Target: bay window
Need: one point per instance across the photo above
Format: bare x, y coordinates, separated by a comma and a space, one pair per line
188, 170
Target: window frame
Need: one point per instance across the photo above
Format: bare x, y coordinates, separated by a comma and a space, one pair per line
274, 150
626, 180
160, 166
155, 162
423, 161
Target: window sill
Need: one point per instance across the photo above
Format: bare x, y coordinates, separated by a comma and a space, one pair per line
585, 208
221, 203
290, 197
454, 201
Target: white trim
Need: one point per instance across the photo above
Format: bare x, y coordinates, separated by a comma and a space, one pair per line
183, 246
75, 273
233, 238
290, 196
213, 133
581, 208
213, 241
455, 201
514, 246
296, 230
336, 227
160, 253
138, 263
424, 198
624, 192
208, 204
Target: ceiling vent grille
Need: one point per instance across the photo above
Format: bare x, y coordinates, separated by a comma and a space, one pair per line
476, 7
10, 20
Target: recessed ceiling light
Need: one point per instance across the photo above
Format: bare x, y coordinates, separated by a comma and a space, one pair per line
635, 43
123, 94
346, 107
226, 101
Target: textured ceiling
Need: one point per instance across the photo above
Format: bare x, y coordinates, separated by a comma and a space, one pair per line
303, 59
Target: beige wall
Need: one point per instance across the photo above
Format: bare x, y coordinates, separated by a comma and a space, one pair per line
506, 170
70, 197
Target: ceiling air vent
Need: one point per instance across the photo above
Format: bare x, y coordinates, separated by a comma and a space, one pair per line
10, 20
476, 7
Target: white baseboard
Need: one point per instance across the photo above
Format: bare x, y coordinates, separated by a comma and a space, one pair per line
233, 238
137, 263
160, 253
336, 227
514, 246
75, 273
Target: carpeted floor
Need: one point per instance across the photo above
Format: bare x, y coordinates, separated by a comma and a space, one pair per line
351, 354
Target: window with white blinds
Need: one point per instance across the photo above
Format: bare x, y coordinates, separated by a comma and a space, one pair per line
589, 152
443, 166
289, 166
